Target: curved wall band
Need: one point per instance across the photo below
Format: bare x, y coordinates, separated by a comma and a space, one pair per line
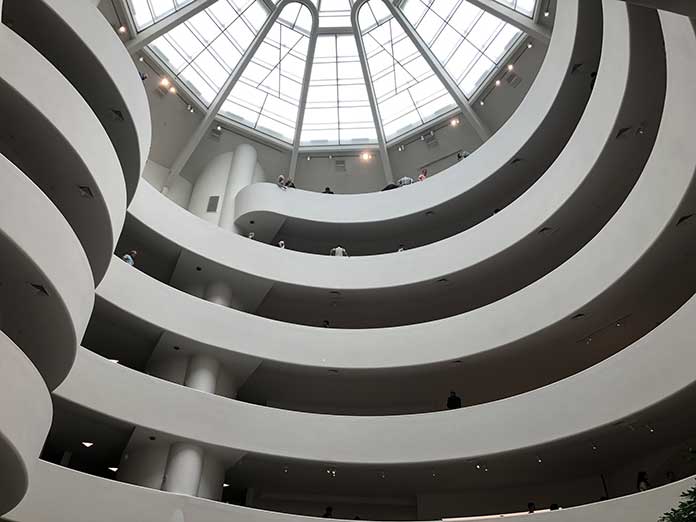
490, 177
64, 495
78, 167
62, 31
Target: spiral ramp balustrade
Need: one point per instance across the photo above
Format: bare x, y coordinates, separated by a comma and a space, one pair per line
62, 206
578, 295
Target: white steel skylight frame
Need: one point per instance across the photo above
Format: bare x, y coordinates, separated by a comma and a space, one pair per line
338, 108
334, 21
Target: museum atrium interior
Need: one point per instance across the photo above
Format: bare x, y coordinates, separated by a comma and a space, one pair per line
415, 260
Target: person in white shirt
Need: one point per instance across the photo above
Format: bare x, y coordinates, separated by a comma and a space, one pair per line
339, 251
406, 180
251, 235
281, 244
281, 182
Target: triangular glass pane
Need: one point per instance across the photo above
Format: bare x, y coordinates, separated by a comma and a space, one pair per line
274, 76
204, 50
469, 42
408, 92
338, 111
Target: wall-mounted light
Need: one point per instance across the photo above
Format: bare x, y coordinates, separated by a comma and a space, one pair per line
365, 156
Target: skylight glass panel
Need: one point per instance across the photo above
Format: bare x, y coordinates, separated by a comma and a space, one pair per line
203, 51
338, 110
469, 42
335, 13
267, 96
147, 12
526, 7
408, 92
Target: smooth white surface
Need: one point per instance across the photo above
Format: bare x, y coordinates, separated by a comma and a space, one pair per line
63, 495
103, 71
97, 221
241, 174
202, 373
22, 429
615, 387
184, 467
48, 253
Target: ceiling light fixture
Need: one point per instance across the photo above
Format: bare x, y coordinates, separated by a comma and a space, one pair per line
122, 29
365, 156
88, 444
510, 67
113, 469
172, 89
530, 45
454, 122
497, 83
547, 12
225, 485
482, 103
164, 82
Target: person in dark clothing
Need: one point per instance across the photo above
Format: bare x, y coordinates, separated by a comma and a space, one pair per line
290, 183
453, 401
554, 507
328, 190
391, 186
642, 483
328, 513
531, 507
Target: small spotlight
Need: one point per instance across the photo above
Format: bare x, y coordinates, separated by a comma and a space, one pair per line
454, 122
164, 82
539, 460
530, 45
365, 156
113, 469
482, 103
594, 447
225, 485
497, 83
141, 59
88, 444
478, 466
172, 89
285, 469
218, 128
330, 156
122, 29
547, 13
510, 67
309, 158
422, 138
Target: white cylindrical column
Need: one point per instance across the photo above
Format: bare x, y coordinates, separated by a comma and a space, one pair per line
219, 293
202, 373
184, 467
241, 174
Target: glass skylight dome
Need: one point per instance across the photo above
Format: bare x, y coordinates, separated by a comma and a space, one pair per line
367, 82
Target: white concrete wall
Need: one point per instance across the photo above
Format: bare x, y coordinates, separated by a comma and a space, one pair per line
63, 495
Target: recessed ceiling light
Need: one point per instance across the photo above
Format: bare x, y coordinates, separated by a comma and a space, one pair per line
482, 103
510, 67
365, 156
497, 83
454, 122
113, 469
114, 360
122, 29
164, 82
88, 444
547, 13
141, 59
225, 485
172, 89
530, 45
